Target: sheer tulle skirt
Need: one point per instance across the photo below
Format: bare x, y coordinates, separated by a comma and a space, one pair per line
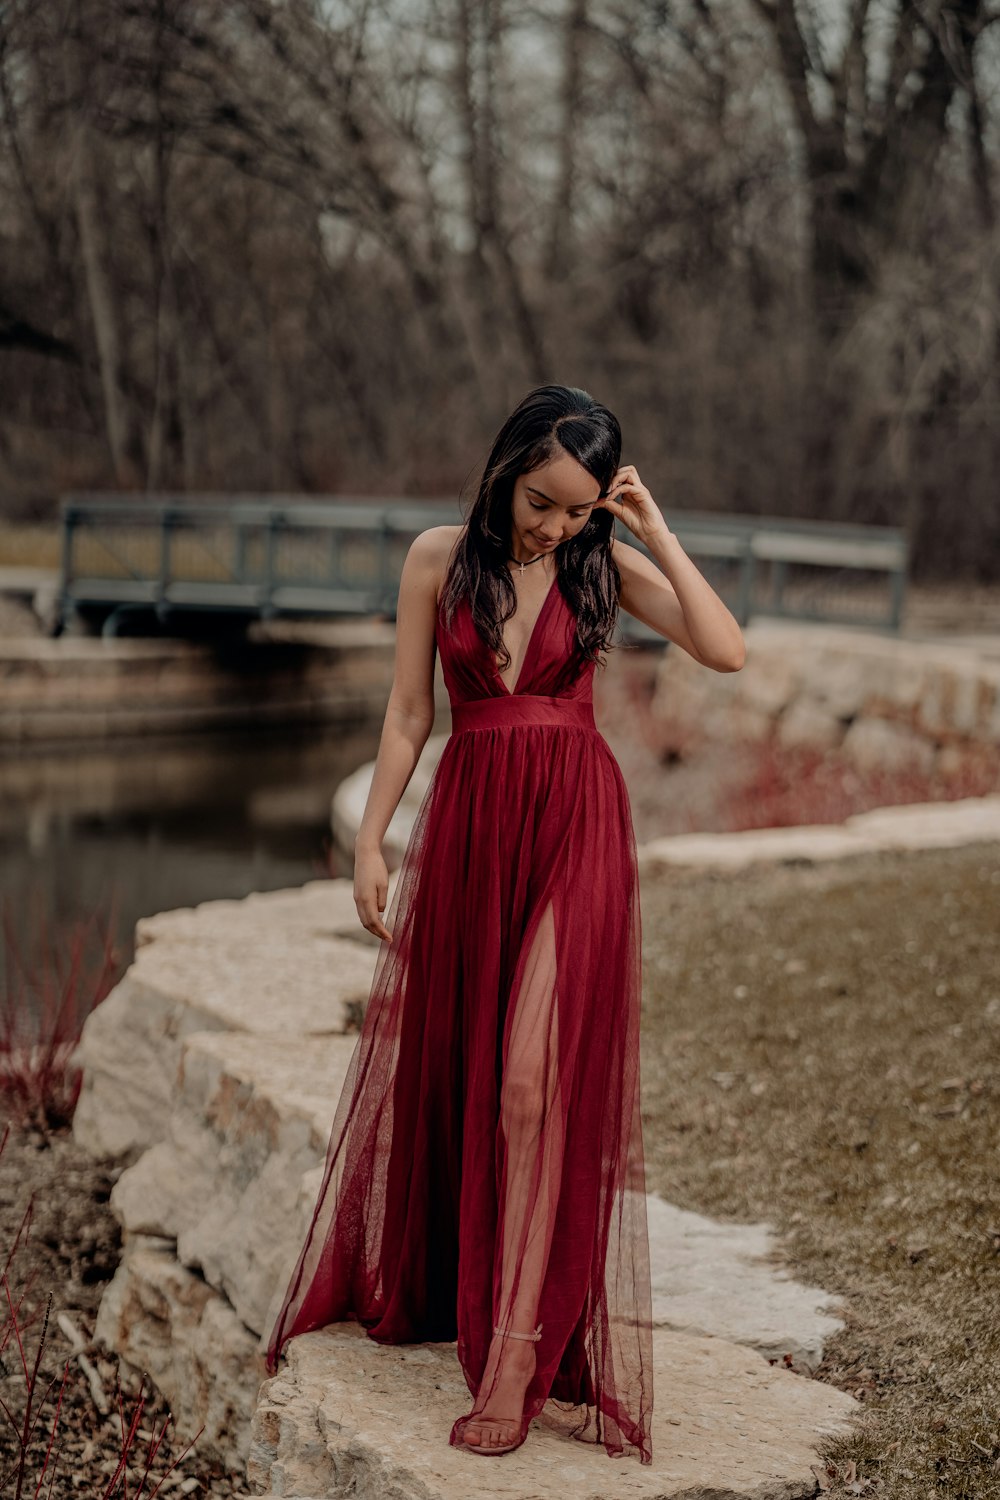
485, 1165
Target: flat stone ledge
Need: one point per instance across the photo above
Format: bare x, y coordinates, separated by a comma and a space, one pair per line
721, 1279
276, 964
345, 1416
920, 825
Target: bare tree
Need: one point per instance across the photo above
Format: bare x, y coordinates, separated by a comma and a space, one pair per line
105, 311
873, 121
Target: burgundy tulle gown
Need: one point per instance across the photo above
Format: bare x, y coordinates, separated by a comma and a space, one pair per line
485, 1165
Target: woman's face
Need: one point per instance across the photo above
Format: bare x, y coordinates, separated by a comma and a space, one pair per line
552, 503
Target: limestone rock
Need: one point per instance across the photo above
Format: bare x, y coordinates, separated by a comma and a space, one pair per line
920, 825
271, 966
876, 744
813, 841
932, 825
765, 682
251, 1116
185, 1336
809, 725
899, 699
235, 1113
319, 907
346, 1416
235, 1180
718, 1279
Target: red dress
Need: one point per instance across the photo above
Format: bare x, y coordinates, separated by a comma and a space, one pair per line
485, 1165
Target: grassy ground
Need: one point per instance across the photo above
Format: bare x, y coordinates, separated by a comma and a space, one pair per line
822, 1050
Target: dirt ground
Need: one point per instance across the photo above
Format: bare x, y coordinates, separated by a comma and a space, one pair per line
71, 1249
821, 1050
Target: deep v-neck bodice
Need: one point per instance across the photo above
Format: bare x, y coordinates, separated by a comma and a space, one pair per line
525, 660
552, 665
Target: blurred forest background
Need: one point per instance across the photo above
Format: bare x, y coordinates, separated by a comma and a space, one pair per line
253, 245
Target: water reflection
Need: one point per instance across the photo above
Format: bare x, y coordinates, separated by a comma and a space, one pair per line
146, 826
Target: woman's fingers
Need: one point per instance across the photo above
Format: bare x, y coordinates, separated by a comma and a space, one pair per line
371, 919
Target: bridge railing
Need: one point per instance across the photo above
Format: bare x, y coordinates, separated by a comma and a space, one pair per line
274, 555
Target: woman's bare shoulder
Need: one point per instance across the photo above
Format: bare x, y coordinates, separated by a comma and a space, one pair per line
435, 547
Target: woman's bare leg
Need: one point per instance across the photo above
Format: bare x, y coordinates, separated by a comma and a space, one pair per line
533, 1131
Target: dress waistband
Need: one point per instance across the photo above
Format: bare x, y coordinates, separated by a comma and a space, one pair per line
517, 710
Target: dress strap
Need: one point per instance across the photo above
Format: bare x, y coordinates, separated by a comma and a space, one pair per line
534, 1337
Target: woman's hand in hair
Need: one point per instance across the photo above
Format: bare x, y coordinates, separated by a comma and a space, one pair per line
629, 500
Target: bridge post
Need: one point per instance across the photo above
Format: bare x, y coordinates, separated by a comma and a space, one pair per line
70, 522
167, 520
274, 519
744, 585
897, 589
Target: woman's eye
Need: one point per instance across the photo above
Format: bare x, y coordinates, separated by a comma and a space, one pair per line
579, 516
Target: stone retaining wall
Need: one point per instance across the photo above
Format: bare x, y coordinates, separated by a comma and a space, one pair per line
65, 690
883, 701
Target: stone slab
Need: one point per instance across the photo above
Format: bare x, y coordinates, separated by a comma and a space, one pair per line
921, 825
322, 908
346, 1416
273, 965
225, 1119
723, 1280
234, 1181
169, 1323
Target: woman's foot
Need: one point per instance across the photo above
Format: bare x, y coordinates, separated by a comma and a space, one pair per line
496, 1426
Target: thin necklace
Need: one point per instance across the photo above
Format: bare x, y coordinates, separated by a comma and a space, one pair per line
522, 565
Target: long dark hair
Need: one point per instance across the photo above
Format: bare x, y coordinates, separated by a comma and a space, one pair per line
549, 418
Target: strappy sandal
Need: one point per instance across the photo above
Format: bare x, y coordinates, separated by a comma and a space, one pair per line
491, 1449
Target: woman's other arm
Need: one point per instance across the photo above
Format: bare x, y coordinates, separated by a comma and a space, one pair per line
409, 719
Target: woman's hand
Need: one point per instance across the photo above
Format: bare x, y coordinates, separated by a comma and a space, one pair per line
371, 887
629, 500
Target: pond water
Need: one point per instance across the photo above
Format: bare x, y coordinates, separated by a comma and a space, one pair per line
111, 834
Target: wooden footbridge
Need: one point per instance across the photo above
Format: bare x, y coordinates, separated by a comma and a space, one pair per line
157, 563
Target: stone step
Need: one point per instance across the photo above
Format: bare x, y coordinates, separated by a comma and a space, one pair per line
277, 964
348, 1417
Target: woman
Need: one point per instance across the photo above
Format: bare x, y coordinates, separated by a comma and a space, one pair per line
484, 1178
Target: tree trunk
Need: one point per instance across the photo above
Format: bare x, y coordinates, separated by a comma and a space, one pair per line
120, 427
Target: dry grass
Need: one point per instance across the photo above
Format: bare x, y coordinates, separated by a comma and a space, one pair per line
822, 1050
